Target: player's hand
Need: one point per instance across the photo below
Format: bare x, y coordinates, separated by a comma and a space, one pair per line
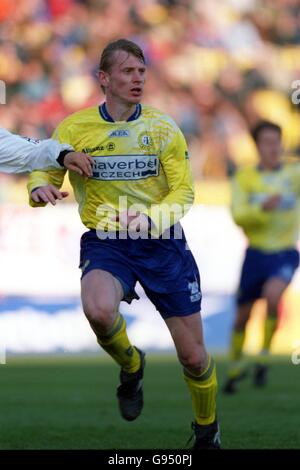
271, 202
133, 221
140, 223
79, 162
48, 193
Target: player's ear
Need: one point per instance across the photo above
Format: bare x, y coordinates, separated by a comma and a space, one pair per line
103, 78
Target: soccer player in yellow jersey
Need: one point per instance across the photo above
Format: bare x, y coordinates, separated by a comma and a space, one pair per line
265, 204
140, 188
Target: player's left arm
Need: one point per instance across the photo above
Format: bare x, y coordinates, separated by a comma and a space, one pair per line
180, 197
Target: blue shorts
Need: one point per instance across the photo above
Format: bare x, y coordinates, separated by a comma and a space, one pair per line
165, 268
260, 266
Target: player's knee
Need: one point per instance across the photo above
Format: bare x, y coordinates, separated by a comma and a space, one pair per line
272, 292
272, 302
100, 314
242, 317
195, 361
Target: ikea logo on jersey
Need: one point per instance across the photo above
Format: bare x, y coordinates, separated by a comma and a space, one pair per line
125, 167
119, 133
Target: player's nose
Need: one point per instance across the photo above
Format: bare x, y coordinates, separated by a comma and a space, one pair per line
137, 77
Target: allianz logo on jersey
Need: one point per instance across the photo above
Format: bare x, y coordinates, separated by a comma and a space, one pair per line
119, 133
125, 167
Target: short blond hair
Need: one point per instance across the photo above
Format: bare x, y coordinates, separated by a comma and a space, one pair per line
106, 59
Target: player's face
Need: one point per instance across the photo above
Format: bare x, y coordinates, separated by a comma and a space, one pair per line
269, 148
125, 79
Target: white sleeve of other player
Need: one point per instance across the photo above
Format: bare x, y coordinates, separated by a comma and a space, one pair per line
22, 154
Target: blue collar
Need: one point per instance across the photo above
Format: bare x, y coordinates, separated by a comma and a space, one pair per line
107, 117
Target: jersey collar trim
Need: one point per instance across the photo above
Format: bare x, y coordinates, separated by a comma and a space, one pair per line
107, 117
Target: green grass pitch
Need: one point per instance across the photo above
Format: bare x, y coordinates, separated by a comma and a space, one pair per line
69, 403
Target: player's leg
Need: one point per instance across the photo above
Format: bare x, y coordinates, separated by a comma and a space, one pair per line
106, 280
243, 312
272, 291
173, 286
101, 295
252, 278
281, 267
237, 366
199, 374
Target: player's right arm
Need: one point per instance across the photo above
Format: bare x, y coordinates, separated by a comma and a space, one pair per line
44, 187
247, 211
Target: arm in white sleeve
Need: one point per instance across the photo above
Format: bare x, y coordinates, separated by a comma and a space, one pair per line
19, 154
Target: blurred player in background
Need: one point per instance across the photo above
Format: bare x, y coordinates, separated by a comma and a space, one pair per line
22, 154
140, 155
265, 204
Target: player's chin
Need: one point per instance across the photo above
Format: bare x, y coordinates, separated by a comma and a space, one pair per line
135, 98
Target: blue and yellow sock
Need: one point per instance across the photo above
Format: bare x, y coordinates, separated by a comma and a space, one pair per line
236, 345
269, 330
235, 354
203, 389
116, 343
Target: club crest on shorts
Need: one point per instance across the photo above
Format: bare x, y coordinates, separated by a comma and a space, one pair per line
85, 265
195, 292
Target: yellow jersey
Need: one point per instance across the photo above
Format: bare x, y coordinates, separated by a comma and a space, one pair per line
140, 162
272, 230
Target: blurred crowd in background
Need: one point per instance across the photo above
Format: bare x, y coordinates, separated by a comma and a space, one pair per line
216, 66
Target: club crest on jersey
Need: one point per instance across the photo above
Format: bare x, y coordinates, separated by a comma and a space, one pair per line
145, 141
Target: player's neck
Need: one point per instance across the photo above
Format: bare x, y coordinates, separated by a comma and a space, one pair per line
120, 111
